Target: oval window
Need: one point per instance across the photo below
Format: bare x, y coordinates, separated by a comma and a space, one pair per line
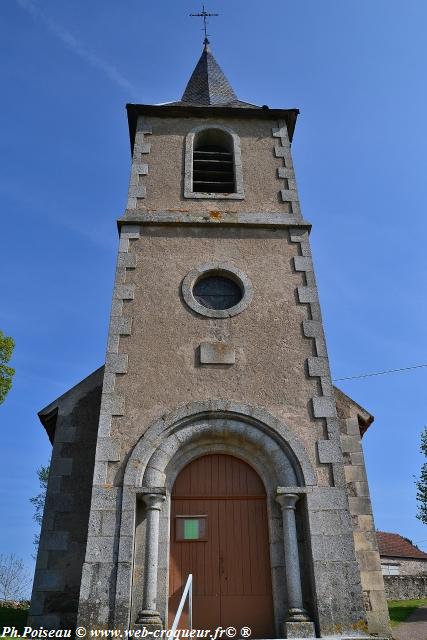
217, 292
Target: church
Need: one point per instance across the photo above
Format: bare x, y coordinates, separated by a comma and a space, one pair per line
211, 456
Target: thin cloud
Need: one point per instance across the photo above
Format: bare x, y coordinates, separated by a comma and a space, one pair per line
100, 237
77, 47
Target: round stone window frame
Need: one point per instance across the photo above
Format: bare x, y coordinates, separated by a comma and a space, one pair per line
218, 269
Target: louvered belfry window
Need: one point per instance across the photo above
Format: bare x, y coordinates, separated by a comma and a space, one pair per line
213, 162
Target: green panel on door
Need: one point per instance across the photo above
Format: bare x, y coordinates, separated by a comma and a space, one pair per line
191, 529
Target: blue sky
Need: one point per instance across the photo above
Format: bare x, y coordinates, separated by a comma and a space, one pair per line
355, 69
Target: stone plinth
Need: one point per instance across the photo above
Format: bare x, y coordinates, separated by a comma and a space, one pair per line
300, 630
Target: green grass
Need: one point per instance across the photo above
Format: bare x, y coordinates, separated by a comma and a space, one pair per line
10, 617
399, 610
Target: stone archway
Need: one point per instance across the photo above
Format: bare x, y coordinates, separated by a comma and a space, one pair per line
267, 432
166, 447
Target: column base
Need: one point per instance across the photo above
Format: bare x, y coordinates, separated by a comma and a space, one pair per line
300, 629
297, 614
149, 620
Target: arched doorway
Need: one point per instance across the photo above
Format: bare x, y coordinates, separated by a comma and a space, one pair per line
219, 533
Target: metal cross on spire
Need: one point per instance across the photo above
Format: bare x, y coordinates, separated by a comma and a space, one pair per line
204, 15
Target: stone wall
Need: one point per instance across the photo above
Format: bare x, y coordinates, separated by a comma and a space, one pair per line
361, 512
407, 566
157, 182
163, 371
405, 587
72, 423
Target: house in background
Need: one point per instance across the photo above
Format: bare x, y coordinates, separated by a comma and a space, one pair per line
399, 556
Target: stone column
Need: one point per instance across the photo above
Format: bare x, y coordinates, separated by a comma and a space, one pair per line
149, 617
298, 624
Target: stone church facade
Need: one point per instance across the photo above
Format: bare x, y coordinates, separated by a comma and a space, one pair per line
212, 442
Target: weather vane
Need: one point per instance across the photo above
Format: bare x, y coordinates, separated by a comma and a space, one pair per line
204, 15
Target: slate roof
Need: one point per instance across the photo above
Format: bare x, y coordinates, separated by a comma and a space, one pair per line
208, 84
394, 545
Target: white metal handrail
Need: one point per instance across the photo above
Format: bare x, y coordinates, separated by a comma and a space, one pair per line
188, 590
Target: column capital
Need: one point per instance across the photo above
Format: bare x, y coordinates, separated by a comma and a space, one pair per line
287, 500
153, 501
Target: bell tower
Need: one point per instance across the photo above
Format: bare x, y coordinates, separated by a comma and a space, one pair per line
219, 450
216, 332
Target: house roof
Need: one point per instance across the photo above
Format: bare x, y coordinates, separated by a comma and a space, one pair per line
396, 546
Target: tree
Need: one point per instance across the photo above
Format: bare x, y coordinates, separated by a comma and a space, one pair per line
7, 345
14, 580
39, 500
421, 484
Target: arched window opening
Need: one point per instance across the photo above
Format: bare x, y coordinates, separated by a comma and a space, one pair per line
213, 162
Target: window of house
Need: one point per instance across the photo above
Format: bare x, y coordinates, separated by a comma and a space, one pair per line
390, 568
213, 166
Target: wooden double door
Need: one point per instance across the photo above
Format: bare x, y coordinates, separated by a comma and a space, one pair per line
219, 533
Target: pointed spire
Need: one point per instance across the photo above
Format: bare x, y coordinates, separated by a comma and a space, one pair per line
208, 84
